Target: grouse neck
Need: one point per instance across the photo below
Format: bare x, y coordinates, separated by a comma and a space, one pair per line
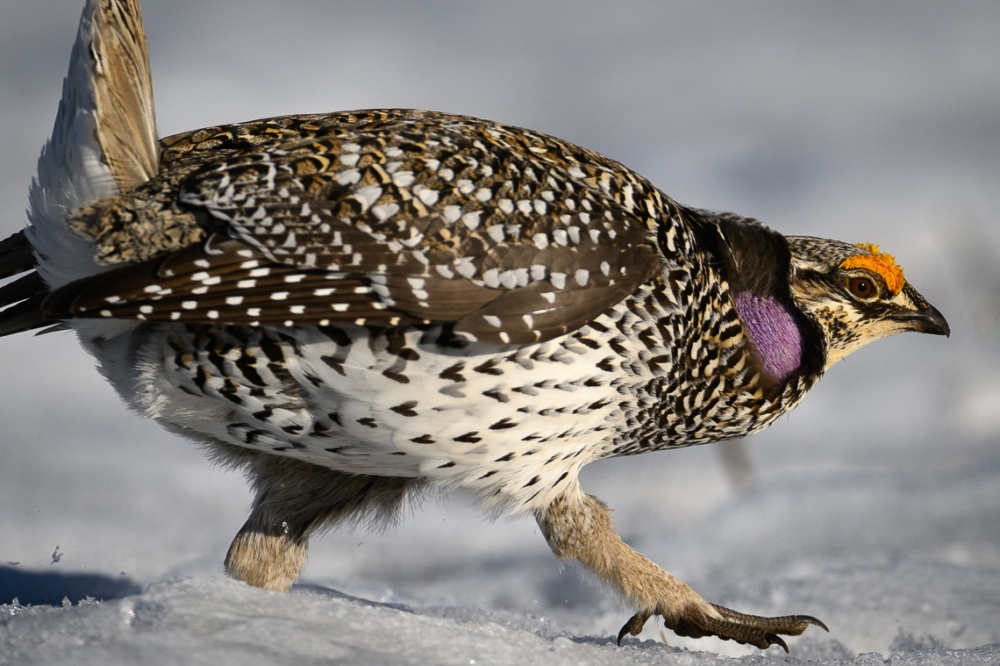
774, 333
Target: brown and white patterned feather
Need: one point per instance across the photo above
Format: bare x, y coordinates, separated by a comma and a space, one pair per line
123, 88
382, 218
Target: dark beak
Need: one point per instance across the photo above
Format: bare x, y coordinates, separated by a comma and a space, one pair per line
929, 321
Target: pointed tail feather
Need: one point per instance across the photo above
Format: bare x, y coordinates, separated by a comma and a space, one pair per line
20, 299
16, 255
123, 90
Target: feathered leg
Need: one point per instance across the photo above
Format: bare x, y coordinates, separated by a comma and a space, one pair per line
579, 526
295, 499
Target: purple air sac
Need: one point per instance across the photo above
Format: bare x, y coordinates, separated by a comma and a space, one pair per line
773, 331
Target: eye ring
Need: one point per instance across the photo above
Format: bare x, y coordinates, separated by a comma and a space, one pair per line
863, 287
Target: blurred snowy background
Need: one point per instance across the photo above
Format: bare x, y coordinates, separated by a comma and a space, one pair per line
877, 503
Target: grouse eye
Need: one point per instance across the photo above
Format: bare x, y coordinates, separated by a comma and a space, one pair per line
862, 287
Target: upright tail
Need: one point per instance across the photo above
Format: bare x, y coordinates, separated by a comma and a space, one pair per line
103, 144
115, 68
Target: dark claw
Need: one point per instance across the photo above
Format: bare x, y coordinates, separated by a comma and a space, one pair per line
775, 639
633, 626
811, 620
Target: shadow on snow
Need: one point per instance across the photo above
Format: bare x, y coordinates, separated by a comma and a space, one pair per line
49, 588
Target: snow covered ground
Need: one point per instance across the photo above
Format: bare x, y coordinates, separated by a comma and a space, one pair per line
877, 503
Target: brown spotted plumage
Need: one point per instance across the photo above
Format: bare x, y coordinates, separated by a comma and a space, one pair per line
354, 305
379, 218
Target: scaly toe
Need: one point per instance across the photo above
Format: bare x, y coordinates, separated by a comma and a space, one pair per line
790, 625
761, 632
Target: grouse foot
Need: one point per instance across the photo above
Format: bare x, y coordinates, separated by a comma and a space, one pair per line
761, 632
